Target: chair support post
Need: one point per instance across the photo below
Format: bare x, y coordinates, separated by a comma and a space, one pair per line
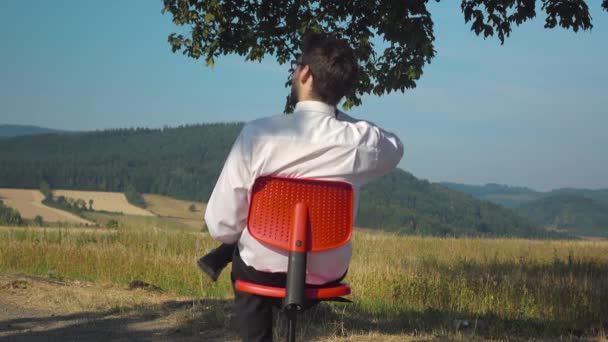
291, 326
296, 267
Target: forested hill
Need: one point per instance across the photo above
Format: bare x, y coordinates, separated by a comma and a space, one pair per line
185, 162
20, 130
416, 206
505, 195
568, 212
515, 196
182, 162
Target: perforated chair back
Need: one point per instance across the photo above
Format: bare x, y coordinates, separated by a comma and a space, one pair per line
330, 211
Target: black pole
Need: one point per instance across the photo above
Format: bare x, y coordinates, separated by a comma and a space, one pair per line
291, 326
296, 280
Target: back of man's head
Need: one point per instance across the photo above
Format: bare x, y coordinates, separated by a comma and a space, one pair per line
333, 66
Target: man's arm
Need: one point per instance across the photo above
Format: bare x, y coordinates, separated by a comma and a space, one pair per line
226, 213
388, 149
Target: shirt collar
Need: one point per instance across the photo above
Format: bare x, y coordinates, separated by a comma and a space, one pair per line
315, 106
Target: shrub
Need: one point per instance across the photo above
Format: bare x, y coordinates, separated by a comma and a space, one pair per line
9, 216
134, 197
38, 221
112, 224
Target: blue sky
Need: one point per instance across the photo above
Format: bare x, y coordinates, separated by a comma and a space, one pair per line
532, 112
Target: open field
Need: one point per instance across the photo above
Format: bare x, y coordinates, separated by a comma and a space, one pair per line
29, 204
105, 201
177, 209
402, 286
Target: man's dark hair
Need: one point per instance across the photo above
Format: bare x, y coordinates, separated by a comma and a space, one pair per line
333, 66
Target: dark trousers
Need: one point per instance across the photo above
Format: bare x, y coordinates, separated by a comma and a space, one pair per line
254, 313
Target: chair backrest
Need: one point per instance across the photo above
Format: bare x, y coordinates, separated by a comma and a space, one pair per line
330, 211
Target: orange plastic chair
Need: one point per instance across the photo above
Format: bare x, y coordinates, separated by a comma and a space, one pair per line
299, 216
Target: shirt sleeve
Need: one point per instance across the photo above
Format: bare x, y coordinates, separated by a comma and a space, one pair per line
390, 152
226, 212
383, 148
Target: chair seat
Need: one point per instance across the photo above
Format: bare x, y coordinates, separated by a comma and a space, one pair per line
279, 292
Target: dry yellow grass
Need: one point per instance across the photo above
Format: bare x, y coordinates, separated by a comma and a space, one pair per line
176, 209
61, 228
106, 201
29, 204
402, 286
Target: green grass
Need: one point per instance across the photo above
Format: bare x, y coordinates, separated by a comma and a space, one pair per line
401, 285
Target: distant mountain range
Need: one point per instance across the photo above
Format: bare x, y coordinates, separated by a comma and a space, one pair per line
505, 195
184, 163
7, 131
577, 211
513, 196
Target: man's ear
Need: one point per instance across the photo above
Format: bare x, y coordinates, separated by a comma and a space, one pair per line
305, 73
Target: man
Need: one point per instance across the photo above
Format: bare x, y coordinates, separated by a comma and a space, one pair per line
316, 141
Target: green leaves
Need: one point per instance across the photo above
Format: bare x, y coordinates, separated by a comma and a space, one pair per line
488, 17
402, 31
569, 14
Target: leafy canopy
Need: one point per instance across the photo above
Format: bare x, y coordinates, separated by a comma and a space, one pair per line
256, 28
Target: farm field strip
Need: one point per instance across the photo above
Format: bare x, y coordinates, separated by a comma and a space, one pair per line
29, 204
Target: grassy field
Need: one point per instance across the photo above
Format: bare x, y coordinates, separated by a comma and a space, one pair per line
402, 286
178, 210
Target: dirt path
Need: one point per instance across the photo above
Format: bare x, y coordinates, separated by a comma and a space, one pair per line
36, 309
41, 309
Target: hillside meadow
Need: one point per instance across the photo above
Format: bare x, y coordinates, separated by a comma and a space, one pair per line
402, 285
189, 214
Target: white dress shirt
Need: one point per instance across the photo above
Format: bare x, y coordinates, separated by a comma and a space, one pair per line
310, 143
